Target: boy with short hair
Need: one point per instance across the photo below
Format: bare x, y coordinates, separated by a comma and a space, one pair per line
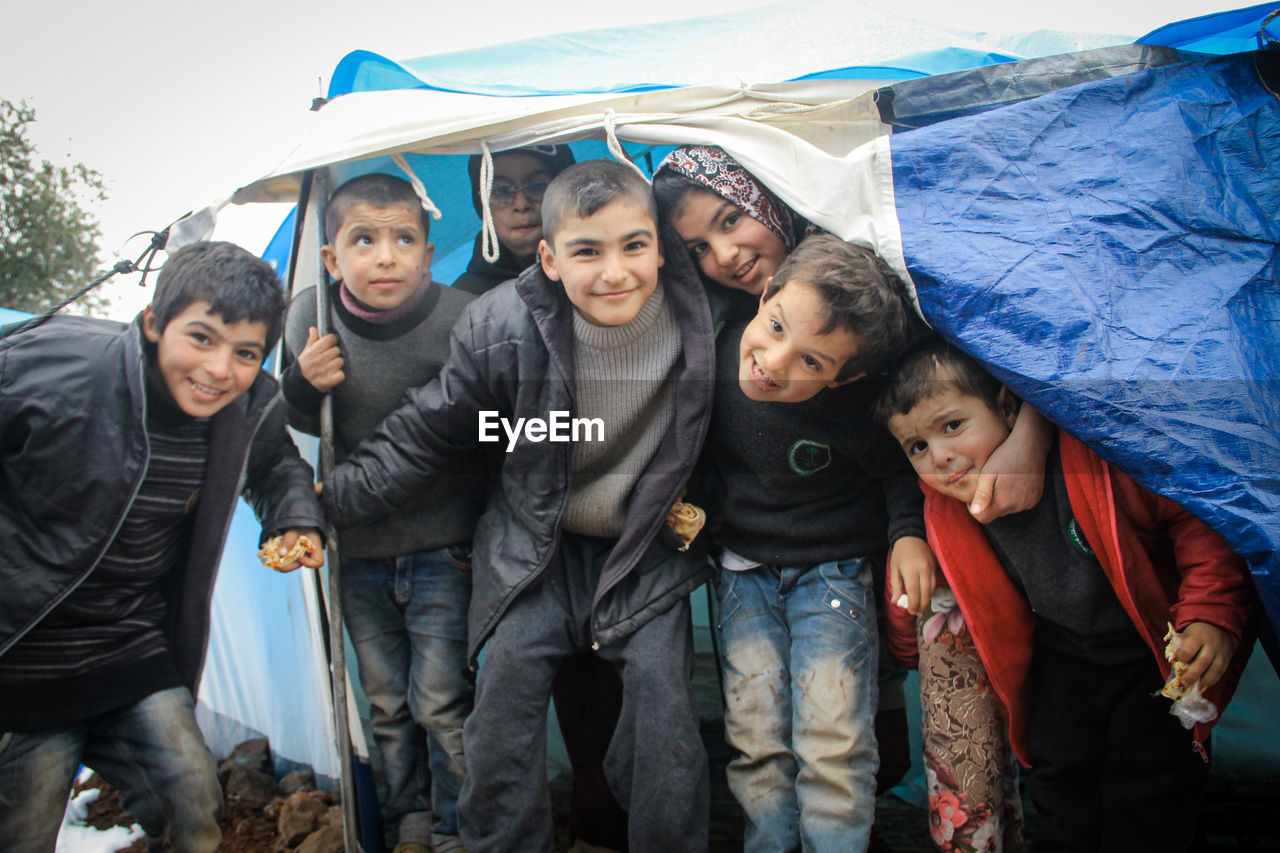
406, 579
1067, 603
571, 551
520, 178
586, 692
808, 495
124, 450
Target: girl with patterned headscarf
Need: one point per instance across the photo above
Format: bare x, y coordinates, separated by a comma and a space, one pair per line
736, 229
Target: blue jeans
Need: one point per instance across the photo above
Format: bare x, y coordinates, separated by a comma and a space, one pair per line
407, 617
798, 655
151, 751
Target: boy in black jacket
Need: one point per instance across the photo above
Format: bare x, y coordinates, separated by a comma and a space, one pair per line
588, 379
123, 451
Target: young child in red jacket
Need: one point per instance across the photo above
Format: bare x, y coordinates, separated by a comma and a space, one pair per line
1068, 605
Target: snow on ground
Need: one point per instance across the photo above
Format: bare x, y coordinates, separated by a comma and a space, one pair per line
78, 837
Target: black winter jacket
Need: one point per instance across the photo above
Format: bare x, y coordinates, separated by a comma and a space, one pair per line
512, 352
74, 450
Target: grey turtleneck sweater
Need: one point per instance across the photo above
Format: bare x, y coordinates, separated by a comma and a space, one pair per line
622, 376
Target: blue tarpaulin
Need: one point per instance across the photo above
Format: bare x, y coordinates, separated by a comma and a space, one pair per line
1110, 250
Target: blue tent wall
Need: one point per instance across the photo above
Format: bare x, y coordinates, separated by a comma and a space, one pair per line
1222, 33
8, 315
862, 42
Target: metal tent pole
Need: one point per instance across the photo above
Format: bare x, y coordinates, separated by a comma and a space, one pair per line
315, 185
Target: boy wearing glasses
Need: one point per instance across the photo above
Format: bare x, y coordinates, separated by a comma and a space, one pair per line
520, 177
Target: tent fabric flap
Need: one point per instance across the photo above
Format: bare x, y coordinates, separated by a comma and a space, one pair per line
1110, 251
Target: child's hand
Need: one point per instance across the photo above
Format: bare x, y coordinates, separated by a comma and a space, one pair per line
1207, 650
913, 572
313, 559
1013, 477
321, 361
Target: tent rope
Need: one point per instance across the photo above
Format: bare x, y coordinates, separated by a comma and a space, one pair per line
1264, 39
419, 188
488, 231
615, 147
143, 263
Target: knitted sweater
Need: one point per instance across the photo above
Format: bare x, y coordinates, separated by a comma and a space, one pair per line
804, 483
381, 362
622, 377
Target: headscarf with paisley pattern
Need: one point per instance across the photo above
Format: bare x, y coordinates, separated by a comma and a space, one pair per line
711, 167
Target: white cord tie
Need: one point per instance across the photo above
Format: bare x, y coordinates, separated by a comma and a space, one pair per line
615, 147
488, 231
419, 189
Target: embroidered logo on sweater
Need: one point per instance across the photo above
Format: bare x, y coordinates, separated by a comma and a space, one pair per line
1077, 539
808, 457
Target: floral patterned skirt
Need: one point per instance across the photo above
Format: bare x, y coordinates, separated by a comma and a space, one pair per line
970, 774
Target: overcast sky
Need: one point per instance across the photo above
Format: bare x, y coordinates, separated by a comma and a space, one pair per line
178, 104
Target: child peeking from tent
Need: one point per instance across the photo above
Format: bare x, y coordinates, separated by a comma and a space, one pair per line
125, 450
572, 552
739, 232
1067, 604
804, 499
517, 185
406, 580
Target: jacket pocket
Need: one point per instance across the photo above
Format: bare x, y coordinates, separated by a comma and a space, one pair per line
459, 556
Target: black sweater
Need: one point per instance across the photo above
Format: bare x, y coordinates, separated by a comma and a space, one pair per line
482, 276
804, 483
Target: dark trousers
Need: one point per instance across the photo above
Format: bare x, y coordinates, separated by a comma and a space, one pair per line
655, 766
1112, 769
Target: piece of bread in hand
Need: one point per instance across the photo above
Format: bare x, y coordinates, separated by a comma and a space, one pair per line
1174, 688
686, 520
271, 557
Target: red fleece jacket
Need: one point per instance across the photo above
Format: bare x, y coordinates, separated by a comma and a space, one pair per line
1164, 564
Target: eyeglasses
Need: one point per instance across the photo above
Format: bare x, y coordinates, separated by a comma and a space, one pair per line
504, 193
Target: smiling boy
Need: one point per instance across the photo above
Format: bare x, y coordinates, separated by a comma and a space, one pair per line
1067, 604
808, 495
568, 553
405, 582
124, 451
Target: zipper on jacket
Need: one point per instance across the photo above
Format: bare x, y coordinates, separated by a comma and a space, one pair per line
472, 655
